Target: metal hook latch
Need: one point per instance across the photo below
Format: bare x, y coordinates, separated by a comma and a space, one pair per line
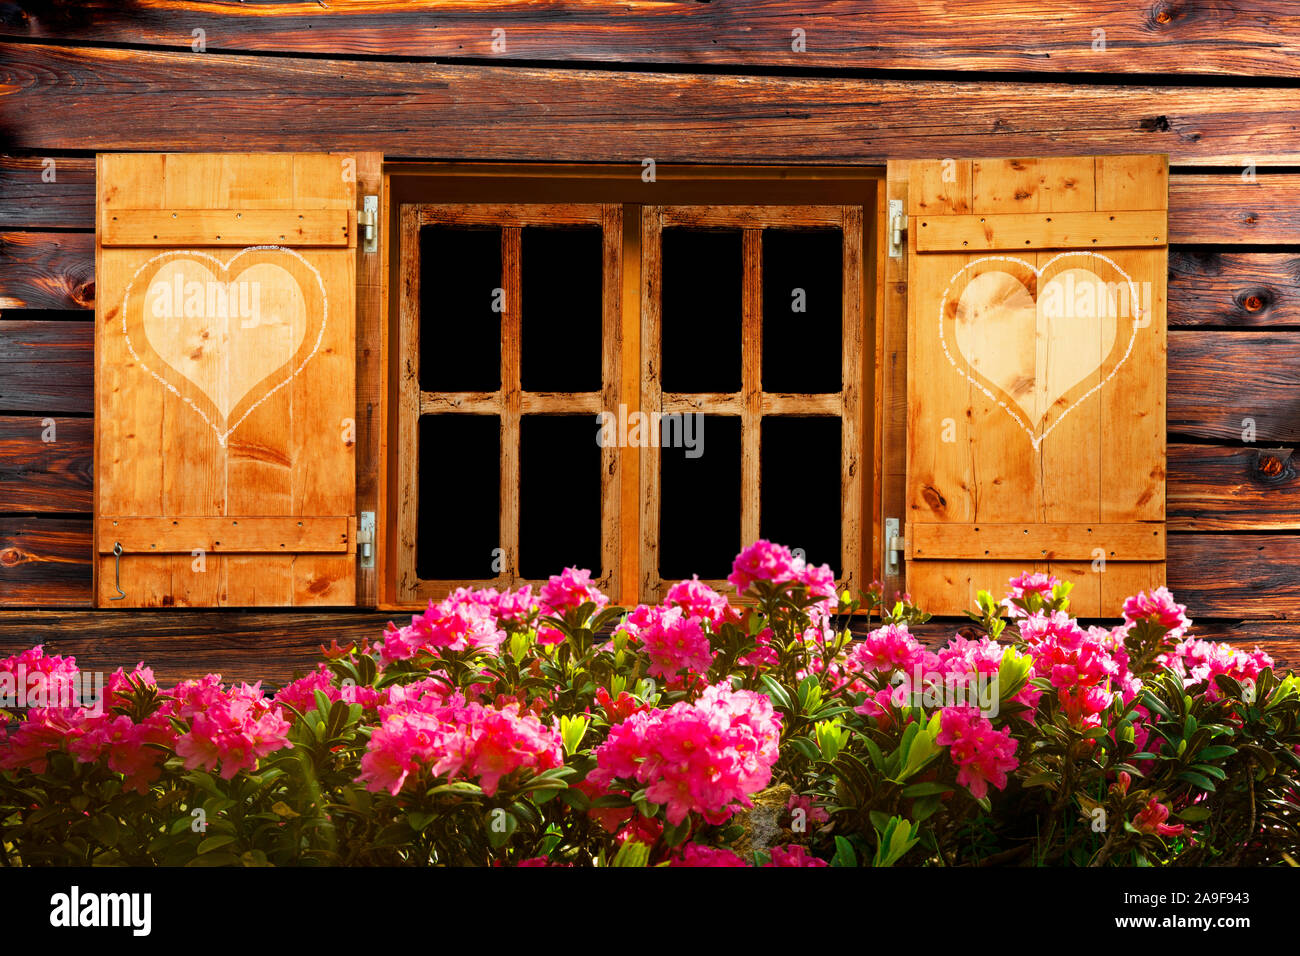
117, 572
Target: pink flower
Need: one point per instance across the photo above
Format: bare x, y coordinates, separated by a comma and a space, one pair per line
698, 600
1029, 583
1152, 817
794, 855
459, 622
693, 854
570, 589
453, 738
809, 812
981, 754
127, 745
1200, 661
232, 728
763, 561
700, 757
885, 650
1158, 607
673, 642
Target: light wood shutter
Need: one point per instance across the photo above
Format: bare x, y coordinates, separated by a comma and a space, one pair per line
225, 466
1036, 377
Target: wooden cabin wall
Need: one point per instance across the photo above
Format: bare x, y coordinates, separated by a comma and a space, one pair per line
1212, 85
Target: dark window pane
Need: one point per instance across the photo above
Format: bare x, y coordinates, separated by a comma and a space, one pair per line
699, 503
459, 521
703, 285
460, 331
799, 501
802, 310
559, 495
561, 277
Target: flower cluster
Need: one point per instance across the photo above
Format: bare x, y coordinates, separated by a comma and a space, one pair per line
454, 738
232, 728
1198, 661
981, 754
776, 564
701, 757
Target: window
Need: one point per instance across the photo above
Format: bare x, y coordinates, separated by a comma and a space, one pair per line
750, 323
509, 335
539, 313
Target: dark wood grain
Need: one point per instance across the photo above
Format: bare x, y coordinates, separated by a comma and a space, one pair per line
46, 476
47, 192
1237, 289
1238, 37
1221, 384
1232, 489
47, 270
1236, 576
45, 366
44, 562
239, 645
140, 100
1227, 209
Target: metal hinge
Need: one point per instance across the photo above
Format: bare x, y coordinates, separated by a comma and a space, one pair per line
368, 223
894, 546
366, 539
897, 227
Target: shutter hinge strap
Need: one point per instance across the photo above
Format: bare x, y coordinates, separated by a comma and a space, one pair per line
897, 227
894, 546
368, 223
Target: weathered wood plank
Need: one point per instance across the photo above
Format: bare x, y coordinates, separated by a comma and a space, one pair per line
46, 366
44, 562
1234, 288
48, 476
131, 99
1226, 576
1236, 37
47, 192
1235, 386
1221, 209
47, 270
239, 645
1232, 489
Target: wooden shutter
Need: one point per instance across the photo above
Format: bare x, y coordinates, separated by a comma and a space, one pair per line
1036, 421
225, 415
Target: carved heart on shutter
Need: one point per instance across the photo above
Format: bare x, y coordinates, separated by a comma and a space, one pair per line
1030, 343
225, 336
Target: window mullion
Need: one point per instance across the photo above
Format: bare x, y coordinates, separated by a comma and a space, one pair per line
512, 400
751, 386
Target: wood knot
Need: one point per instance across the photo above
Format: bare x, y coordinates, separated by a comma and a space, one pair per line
1255, 301
10, 557
1163, 13
1155, 124
1272, 465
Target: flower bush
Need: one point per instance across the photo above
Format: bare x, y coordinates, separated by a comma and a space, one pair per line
553, 729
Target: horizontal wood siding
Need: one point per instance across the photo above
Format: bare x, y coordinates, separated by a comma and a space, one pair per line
1235, 37
614, 82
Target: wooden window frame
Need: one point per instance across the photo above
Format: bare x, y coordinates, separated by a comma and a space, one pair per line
751, 403
499, 184
509, 402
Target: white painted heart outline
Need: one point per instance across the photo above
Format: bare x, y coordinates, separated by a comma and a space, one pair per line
1037, 440
225, 267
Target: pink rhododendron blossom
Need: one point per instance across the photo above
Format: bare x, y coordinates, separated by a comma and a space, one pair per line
570, 589
794, 855
1197, 661
763, 654
232, 728
1152, 817
1031, 582
810, 812
885, 650
1158, 607
455, 738
301, 694
674, 642
762, 561
127, 747
981, 754
700, 757
698, 600
457, 623
694, 854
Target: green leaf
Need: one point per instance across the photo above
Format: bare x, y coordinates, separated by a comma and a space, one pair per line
844, 853
215, 842
926, 789
1200, 780
1216, 752
631, 853
778, 693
